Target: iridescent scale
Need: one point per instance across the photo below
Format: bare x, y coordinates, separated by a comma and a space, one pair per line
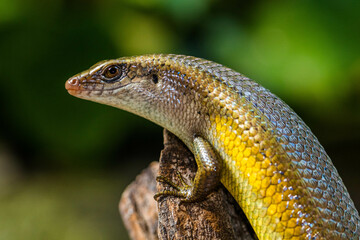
272, 163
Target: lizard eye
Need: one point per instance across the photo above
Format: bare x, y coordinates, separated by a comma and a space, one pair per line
111, 73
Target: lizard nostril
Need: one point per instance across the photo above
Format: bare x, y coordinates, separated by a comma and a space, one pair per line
73, 81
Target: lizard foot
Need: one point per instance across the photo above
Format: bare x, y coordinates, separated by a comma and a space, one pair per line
184, 192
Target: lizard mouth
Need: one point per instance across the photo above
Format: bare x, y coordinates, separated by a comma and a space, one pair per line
81, 88
77, 87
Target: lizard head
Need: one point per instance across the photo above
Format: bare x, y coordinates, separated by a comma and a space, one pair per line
101, 79
125, 83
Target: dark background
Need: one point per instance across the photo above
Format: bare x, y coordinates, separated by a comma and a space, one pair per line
64, 161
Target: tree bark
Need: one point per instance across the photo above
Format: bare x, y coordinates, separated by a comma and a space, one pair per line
216, 217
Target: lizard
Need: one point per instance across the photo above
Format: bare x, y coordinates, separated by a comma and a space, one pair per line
241, 135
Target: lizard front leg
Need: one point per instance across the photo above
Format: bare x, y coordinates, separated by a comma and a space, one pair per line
206, 179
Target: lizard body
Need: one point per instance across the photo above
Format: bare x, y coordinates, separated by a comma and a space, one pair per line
240, 133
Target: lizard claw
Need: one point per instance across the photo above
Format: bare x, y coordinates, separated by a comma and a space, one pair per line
183, 192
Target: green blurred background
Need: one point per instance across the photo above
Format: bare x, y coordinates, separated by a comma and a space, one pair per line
64, 162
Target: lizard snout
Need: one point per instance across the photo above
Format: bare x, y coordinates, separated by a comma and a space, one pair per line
72, 85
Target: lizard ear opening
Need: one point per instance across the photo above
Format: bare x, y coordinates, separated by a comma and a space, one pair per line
155, 78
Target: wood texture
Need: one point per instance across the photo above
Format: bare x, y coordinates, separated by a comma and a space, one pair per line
216, 217
138, 208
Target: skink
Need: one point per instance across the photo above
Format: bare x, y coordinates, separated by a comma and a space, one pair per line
240, 133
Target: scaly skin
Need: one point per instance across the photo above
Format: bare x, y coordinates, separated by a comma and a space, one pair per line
263, 153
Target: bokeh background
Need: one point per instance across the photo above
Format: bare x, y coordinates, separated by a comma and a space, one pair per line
64, 162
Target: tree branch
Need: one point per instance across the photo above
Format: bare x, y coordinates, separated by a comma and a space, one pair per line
216, 217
